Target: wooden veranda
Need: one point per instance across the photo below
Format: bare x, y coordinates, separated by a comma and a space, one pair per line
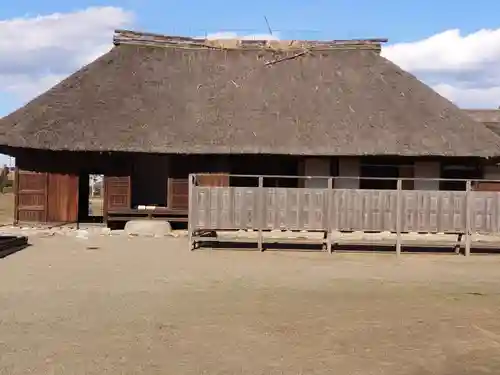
212, 209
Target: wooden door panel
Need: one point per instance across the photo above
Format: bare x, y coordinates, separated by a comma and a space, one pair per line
117, 192
62, 198
31, 196
178, 193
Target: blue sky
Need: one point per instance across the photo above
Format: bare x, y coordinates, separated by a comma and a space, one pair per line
454, 46
396, 19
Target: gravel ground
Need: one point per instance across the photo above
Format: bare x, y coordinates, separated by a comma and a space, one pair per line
119, 305
6, 208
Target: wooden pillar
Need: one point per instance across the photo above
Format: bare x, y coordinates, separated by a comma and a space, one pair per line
190, 210
329, 207
468, 217
260, 212
399, 216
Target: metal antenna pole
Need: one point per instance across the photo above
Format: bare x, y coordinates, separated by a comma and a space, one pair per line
268, 26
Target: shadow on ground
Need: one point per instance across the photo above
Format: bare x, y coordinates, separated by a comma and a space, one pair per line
12, 244
376, 248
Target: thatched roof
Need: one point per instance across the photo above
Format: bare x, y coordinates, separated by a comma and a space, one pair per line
160, 94
489, 117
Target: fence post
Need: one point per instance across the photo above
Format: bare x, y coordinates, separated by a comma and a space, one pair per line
260, 217
398, 215
329, 201
190, 210
468, 215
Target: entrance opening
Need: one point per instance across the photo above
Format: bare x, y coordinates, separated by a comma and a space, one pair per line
388, 175
91, 198
454, 175
265, 165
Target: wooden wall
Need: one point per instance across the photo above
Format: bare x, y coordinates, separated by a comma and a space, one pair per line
46, 197
48, 182
51, 194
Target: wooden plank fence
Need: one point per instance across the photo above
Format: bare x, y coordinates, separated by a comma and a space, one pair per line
312, 209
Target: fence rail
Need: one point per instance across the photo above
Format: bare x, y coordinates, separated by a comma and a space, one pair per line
315, 209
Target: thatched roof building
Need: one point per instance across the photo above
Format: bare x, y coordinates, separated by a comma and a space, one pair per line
488, 117
161, 94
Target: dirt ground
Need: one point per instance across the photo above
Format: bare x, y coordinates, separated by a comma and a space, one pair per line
6, 208
119, 305
97, 204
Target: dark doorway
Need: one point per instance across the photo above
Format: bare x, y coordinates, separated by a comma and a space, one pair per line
454, 175
266, 165
383, 177
91, 198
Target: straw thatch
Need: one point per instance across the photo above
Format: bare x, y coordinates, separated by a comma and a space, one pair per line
489, 117
161, 94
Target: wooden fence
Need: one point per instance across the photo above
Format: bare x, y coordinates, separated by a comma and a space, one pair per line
312, 209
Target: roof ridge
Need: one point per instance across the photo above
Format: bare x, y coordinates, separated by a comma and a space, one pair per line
159, 40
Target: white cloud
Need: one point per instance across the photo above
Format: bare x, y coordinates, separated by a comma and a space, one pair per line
28, 85
471, 97
463, 68
37, 52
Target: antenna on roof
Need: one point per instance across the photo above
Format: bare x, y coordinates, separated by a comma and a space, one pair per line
268, 26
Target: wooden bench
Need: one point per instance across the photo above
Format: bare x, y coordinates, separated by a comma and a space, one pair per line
127, 218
